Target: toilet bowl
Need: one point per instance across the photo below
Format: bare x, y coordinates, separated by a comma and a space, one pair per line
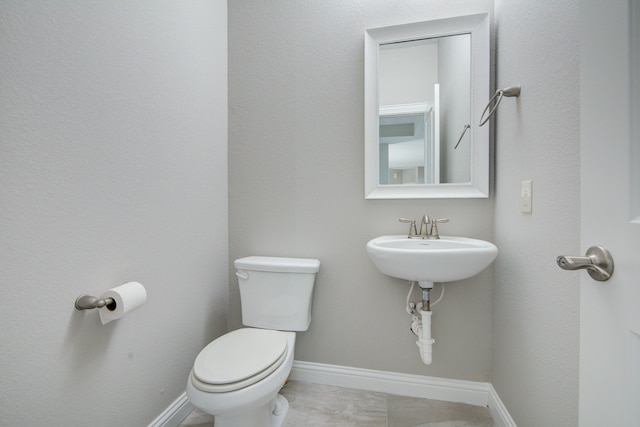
253, 403
237, 377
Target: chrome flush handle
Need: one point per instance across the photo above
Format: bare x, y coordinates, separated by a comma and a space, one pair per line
598, 263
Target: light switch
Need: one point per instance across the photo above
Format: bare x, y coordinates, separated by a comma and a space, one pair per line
526, 196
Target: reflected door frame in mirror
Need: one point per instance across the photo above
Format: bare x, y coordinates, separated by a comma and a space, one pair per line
478, 26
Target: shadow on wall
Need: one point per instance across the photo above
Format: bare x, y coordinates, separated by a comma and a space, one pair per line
86, 341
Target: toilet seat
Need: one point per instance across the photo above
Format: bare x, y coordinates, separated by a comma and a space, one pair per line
238, 359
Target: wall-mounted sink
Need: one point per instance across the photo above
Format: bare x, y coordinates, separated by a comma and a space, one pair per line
446, 259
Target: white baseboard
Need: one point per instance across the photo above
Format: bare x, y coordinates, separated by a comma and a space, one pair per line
175, 413
498, 411
449, 390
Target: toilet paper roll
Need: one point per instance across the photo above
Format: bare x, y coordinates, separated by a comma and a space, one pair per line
126, 297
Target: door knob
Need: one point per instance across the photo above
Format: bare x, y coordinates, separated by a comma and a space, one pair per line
598, 263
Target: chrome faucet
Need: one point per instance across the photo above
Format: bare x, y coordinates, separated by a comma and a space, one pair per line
425, 231
424, 225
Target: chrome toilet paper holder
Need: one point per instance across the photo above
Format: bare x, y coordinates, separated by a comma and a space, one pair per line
87, 302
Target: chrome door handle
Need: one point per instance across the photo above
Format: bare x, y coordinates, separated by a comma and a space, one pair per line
598, 263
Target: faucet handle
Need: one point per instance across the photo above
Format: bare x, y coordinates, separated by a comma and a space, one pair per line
413, 232
434, 227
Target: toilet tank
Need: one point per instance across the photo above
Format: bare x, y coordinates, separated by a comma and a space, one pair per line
275, 292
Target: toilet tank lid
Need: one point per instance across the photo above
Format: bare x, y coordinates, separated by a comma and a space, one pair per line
278, 264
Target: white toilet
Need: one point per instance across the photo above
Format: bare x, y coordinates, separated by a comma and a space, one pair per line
237, 377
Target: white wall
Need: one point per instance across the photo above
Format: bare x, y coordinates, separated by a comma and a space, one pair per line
296, 185
112, 168
536, 305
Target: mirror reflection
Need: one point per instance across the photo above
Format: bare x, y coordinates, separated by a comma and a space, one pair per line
424, 96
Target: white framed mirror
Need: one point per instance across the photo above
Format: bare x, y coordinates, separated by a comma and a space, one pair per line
426, 84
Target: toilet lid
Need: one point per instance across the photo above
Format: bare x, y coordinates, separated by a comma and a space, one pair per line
237, 358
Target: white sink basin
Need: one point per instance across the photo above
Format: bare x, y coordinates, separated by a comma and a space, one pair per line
446, 259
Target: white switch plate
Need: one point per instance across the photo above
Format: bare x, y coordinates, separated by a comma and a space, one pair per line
526, 196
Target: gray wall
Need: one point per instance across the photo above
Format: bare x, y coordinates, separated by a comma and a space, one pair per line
296, 178
455, 93
536, 305
113, 121
113, 168
296, 168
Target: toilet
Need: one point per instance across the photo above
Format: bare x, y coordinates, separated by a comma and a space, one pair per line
237, 377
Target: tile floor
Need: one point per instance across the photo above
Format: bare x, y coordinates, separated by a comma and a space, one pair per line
314, 405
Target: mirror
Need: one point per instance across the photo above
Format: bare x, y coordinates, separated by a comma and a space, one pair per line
426, 84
